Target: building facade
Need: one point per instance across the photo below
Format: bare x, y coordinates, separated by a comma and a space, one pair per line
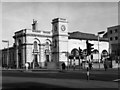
40, 48
113, 34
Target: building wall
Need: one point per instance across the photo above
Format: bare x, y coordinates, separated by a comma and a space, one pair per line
74, 43
114, 39
8, 57
41, 47
103, 45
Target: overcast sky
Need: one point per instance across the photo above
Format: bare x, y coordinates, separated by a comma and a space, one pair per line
88, 17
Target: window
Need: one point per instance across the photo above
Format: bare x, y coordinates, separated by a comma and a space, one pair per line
47, 45
116, 38
35, 46
110, 31
110, 38
115, 30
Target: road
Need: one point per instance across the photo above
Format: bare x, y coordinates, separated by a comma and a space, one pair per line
55, 79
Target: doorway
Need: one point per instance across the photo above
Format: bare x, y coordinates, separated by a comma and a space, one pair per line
19, 60
36, 60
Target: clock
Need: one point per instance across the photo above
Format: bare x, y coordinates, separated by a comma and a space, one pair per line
63, 27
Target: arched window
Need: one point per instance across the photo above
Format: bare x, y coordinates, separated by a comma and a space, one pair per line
35, 46
104, 52
47, 45
95, 51
75, 52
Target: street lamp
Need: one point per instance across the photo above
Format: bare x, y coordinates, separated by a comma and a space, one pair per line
6, 41
102, 32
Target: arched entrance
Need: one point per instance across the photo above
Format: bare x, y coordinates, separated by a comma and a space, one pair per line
20, 65
74, 58
36, 52
104, 55
47, 51
95, 51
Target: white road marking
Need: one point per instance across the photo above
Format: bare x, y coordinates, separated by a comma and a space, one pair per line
116, 80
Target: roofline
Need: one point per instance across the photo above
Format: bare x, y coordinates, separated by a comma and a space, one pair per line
113, 26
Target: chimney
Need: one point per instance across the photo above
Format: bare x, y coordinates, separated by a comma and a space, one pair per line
34, 25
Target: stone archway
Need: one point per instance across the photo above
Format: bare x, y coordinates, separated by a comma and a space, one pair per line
74, 58
48, 50
75, 52
104, 53
20, 62
36, 54
95, 51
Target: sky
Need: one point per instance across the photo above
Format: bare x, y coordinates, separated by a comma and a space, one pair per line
87, 17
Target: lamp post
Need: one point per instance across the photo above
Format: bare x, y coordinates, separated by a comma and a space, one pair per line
102, 32
6, 41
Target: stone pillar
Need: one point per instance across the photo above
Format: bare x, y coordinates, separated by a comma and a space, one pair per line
39, 57
17, 58
42, 56
23, 56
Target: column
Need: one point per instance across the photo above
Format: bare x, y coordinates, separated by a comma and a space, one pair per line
42, 55
16, 57
23, 55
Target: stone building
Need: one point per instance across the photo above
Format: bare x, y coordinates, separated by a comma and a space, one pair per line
46, 48
113, 34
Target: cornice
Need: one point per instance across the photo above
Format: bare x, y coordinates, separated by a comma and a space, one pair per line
59, 35
34, 35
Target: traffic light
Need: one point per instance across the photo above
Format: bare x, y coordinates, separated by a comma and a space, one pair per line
89, 47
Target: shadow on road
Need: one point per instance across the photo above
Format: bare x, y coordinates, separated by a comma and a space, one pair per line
40, 86
28, 86
14, 85
61, 75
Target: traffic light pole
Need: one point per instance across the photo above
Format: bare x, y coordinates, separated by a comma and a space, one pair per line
98, 52
102, 32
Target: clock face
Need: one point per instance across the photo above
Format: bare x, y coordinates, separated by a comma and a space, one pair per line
63, 27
